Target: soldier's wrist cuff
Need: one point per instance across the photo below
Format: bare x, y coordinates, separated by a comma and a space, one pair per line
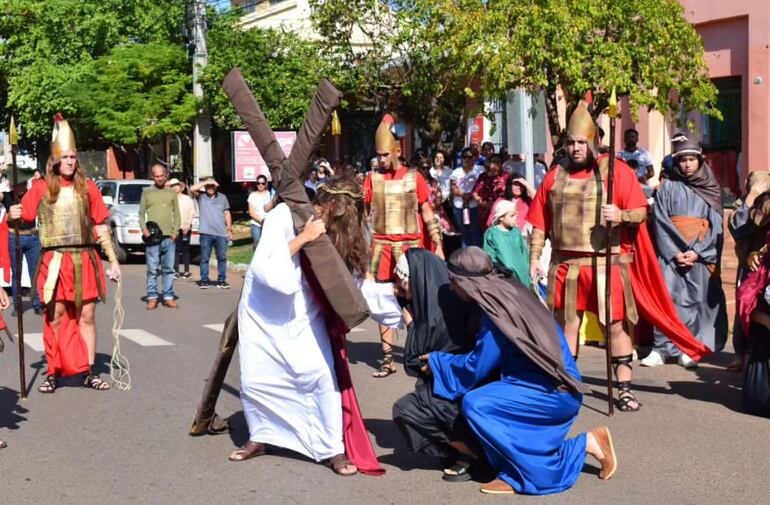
634, 216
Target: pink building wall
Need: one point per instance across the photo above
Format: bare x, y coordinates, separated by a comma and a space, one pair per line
736, 36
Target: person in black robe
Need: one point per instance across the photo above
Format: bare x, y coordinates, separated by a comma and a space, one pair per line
441, 321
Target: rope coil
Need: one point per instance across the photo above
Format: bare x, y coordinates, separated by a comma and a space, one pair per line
119, 366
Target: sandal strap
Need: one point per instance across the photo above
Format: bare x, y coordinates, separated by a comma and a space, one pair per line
626, 361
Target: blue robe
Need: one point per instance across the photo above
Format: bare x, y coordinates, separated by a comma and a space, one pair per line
521, 421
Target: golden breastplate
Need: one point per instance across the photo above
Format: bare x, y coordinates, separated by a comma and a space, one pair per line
65, 223
394, 205
575, 206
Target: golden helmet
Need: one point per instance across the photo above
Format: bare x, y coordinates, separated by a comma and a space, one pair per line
63, 138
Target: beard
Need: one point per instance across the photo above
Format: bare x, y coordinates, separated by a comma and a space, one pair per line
577, 165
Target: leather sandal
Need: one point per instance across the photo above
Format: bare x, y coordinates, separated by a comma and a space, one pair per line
48, 385
459, 472
249, 450
610, 460
497, 486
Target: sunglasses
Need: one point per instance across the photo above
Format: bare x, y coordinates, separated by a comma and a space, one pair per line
261, 183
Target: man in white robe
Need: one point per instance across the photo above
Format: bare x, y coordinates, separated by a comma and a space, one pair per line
288, 386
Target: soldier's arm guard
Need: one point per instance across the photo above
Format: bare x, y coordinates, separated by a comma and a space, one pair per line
536, 244
104, 239
434, 230
634, 216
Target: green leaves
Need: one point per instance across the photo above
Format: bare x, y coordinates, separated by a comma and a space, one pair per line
47, 46
282, 70
136, 92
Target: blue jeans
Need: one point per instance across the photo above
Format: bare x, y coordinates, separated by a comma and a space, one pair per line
470, 233
30, 249
220, 244
160, 260
256, 233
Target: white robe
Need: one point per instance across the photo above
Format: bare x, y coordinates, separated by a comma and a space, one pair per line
289, 389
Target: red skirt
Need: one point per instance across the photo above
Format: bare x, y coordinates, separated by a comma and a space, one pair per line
587, 296
66, 352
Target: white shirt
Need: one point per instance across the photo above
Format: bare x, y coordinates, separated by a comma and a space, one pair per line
465, 183
258, 201
641, 156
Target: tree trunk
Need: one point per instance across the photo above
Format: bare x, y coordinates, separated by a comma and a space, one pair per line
551, 107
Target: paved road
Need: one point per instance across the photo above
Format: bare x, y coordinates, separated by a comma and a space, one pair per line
690, 444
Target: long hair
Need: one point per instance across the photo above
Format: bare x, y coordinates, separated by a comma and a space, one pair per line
342, 206
514, 179
53, 180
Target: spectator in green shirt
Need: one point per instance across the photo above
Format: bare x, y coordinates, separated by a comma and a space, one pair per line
160, 205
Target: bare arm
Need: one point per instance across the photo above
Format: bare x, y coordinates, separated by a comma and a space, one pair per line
229, 223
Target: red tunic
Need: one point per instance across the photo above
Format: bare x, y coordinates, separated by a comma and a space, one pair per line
627, 194
387, 261
66, 351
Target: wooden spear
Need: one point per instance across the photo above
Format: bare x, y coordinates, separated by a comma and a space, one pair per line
13, 137
613, 113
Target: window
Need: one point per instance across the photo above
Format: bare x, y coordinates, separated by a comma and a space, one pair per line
131, 193
108, 189
725, 134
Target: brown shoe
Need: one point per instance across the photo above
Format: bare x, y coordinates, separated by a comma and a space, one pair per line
610, 461
170, 304
497, 486
152, 304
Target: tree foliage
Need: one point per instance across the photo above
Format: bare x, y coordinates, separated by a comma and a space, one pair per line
136, 93
397, 62
46, 46
282, 70
644, 48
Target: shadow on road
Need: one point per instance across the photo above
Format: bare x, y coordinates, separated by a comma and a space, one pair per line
370, 353
10, 410
709, 384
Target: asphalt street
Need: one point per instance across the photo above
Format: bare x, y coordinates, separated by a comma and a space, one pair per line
690, 444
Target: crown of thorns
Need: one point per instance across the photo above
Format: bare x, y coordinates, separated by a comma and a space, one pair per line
338, 191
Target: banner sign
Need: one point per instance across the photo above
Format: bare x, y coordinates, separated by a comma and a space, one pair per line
247, 162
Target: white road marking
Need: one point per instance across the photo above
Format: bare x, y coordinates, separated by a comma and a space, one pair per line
357, 330
34, 341
143, 338
216, 327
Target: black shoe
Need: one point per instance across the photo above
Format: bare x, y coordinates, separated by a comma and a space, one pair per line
204, 284
223, 285
39, 311
187, 275
14, 313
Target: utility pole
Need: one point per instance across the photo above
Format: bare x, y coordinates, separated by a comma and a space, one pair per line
202, 166
520, 129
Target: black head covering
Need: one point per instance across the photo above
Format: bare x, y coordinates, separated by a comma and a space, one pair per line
516, 312
441, 320
703, 181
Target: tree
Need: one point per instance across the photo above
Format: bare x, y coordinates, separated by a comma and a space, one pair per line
424, 53
397, 62
47, 45
135, 93
282, 70
643, 48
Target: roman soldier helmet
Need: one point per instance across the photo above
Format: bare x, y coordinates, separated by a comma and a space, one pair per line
581, 123
63, 138
384, 140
